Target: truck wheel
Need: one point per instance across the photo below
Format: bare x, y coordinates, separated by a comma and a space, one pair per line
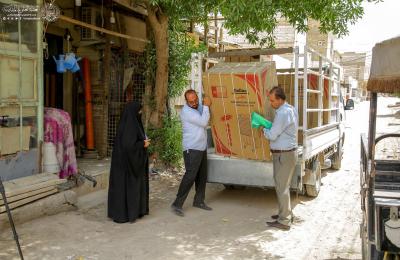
312, 190
338, 156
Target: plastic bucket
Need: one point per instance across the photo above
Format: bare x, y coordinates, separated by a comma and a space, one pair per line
50, 162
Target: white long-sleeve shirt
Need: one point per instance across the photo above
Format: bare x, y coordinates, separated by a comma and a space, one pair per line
282, 135
194, 125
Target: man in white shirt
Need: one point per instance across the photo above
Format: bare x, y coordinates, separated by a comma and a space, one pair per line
194, 119
283, 144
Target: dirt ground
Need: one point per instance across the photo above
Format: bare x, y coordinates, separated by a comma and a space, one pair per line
326, 227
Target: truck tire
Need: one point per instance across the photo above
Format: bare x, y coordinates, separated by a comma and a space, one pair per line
312, 190
338, 156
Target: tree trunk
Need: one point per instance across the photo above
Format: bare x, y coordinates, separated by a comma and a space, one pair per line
159, 24
148, 89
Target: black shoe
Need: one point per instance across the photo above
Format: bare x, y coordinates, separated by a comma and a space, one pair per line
277, 216
178, 211
201, 206
276, 224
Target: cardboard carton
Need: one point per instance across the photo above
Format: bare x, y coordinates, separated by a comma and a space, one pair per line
237, 90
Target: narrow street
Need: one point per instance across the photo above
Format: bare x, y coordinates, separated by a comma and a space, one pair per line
326, 227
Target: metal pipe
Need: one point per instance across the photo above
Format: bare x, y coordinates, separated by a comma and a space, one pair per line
296, 87
338, 99
386, 136
40, 107
251, 52
88, 105
20, 86
10, 219
305, 87
322, 56
313, 91
330, 83
372, 124
321, 87
320, 129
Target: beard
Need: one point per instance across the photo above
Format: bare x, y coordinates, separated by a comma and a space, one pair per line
195, 106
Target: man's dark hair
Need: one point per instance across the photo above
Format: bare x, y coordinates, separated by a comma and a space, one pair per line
189, 91
278, 92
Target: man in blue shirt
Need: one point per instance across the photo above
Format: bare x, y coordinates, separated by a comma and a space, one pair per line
194, 119
283, 143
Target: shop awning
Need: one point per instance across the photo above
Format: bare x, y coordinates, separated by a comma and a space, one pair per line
385, 67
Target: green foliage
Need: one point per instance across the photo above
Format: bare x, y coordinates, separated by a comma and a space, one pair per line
181, 47
150, 62
167, 141
257, 19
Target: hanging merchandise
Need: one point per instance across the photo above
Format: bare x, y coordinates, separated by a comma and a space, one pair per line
67, 62
60, 63
71, 62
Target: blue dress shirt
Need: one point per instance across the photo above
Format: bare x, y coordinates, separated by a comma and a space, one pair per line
282, 135
194, 125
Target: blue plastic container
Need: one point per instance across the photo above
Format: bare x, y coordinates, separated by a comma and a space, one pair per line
60, 63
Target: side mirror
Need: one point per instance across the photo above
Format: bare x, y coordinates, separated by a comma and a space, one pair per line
349, 104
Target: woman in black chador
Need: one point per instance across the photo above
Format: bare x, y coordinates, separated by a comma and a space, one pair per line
128, 193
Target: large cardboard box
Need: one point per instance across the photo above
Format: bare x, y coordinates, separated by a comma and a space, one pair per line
236, 90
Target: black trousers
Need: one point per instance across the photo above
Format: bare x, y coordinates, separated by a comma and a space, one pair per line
196, 172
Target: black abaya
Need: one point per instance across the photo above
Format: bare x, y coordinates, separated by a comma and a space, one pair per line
128, 193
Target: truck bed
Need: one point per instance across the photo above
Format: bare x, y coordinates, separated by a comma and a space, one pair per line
237, 171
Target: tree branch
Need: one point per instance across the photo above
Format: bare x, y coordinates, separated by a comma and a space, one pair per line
152, 16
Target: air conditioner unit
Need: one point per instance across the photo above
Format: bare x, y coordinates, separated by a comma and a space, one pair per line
92, 16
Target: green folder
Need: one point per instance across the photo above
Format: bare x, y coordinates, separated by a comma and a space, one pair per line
257, 120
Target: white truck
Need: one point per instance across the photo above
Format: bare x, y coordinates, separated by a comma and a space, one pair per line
322, 145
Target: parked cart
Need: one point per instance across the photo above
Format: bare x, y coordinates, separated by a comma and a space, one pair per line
379, 178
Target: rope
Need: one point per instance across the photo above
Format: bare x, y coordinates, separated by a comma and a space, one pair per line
223, 105
237, 116
248, 106
212, 117
258, 105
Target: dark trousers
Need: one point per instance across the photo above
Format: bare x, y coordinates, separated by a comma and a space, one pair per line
196, 172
